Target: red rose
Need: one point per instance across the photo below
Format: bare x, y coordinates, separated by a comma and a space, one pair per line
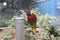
32, 18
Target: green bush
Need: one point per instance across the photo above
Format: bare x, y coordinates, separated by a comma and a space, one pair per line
3, 22
12, 21
27, 32
7, 35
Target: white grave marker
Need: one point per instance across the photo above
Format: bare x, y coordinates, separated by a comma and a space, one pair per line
19, 28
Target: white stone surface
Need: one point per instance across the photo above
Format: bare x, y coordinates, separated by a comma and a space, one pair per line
19, 28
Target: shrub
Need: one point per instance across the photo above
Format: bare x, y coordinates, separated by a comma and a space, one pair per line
3, 22
12, 21
7, 35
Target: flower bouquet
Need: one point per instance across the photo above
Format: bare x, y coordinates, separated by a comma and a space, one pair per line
31, 19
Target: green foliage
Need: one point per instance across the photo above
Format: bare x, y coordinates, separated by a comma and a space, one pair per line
25, 22
53, 31
12, 21
49, 33
6, 39
32, 23
27, 31
27, 36
46, 20
7, 35
3, 22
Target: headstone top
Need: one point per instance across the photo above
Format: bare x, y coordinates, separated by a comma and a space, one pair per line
20, 18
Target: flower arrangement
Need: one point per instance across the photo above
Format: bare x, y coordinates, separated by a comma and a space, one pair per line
46, 30
31, 19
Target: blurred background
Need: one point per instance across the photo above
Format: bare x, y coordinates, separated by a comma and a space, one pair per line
10, 8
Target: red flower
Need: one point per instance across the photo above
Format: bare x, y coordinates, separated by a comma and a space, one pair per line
32, 18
